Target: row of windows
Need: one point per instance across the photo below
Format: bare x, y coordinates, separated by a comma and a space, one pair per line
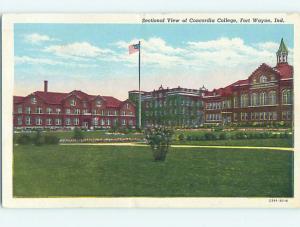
39, 110
162, 103
213, 117
73, 102
286, 115
171, 112
69, 121
174, 122
256, 99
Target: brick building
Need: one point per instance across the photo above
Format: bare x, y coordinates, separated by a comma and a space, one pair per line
265, 96
171, 106
44, 109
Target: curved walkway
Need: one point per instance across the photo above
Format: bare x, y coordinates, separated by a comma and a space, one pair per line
180, 146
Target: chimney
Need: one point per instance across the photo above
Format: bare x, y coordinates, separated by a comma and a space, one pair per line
45, 86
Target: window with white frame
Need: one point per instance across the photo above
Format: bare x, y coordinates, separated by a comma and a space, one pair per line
123, 121
67, 121
72, 102
28, 110
28, 120
58, 121
19, 120
68, 111
235, 102
76, 121
95, 121
286, 97
102, 122
98, 103
58, 110
272, 98
263, 98
107, 121
49, 110
20, 109
77, 111
263, 79
33, 100
254, 99
48, 121
38, 121
38, 110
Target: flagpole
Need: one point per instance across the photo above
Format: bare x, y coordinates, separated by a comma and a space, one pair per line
140, 101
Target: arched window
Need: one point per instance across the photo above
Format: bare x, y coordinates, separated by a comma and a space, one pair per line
263, 79
272, 98
253, 99
286, 97
263, 98
244, 100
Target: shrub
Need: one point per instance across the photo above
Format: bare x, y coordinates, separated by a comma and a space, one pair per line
223, 136
51, 139
159, 139
77, 134
209, 136
181, 137
38, 140
23, 139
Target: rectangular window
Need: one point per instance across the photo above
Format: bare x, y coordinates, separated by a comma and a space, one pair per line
123, 122
20, 122
58, 110
19, 109
68, 111
38, 121
49, 121
49, 110
77, 111
108, 121
28, 120
38, 110
28, 110
76, 121
95, 121
67, 121
33, 100
102, 122
72, 102
58, 121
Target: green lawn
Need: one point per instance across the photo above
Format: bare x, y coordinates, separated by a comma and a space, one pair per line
242, 142
53, 171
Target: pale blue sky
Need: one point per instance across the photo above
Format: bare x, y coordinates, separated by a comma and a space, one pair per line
94, 57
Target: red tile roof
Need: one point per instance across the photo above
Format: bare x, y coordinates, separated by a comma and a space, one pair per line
18, 99
57, 98
286, 71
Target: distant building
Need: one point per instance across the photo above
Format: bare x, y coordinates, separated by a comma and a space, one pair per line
44, 109
265, 96
176, 107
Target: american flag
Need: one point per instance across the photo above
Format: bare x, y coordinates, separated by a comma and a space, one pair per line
134, 48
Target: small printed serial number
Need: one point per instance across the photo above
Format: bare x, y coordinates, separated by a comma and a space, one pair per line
278, 200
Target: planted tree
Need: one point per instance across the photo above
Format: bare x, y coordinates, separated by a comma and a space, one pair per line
78, 134
159, 139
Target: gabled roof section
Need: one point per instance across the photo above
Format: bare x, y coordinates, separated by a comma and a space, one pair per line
18, 99
51, 97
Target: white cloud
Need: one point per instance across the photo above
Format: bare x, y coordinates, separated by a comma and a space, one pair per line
77, 50
47, 61
222, 52
36, 38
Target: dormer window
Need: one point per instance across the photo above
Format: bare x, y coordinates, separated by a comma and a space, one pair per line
33, 100
98, 103
263, 79
72, 102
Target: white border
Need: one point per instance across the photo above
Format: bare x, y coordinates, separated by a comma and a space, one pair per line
7, 92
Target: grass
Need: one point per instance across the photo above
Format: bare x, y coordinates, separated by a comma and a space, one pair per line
242, 142
105, 171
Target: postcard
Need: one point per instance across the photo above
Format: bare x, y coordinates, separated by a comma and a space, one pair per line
150, 110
